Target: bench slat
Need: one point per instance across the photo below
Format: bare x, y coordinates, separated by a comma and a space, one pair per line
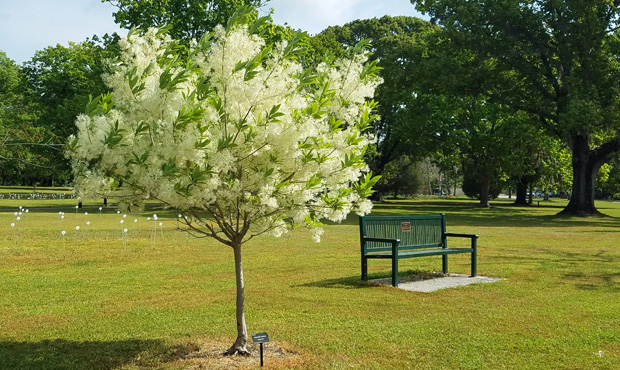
410, 230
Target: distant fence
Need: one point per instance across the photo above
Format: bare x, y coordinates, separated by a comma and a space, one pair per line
37, 196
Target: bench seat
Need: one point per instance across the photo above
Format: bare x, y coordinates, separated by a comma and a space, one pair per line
420, 253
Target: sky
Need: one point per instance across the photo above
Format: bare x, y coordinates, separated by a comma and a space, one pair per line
30, 25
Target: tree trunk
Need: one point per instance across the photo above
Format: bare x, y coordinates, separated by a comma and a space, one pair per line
530, 199
485, 183
521, 193
239, 347
586, 164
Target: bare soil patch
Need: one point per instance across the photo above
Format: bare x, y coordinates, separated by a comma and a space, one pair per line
208, 355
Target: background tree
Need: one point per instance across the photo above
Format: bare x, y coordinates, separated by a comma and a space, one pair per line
398, 47
524, 160
554, 171
429, 107
400, 177
59, 80
240, 138
186, 19
482, 131
556, 59
468, 128
18, 135
608, 186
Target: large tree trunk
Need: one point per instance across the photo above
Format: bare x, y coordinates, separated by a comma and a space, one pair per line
521, 192
239, 347
586, 164
485, 183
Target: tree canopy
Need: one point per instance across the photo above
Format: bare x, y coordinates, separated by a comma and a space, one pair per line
554, 59
19, 135
398, 48
186, 19
239, 137
58, 81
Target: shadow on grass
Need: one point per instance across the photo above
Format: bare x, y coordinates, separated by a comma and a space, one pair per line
356, 282
68, 355
592, 282
501, 215
349, 282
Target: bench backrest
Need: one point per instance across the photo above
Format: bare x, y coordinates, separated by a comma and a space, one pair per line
413, 231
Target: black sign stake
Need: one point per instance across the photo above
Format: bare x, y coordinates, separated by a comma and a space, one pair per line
260, 338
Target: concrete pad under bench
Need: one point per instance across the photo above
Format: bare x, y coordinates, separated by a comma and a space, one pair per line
443, 282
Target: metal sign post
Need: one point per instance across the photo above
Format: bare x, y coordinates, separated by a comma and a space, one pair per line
260, 338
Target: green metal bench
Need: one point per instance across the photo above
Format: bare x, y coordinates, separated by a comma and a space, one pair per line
397, 237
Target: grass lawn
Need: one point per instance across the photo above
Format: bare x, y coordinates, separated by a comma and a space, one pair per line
86, 301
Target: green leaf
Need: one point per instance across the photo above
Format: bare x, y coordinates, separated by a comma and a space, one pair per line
353, 160
142, 128
283, 184
72, 145
370, 69
101, 104
170, 168
361, 45
366, 117
365, 185
92, 106
114, 137
165, 79
292, 47
354, 139
313, 181
227, 142
256, 25
197, 174
134, 31
203, 143
273, 114
139, 160
307, 77
335, 125
241, 16
186, 116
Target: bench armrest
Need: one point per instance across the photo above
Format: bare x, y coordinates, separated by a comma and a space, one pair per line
393, 242
473, 236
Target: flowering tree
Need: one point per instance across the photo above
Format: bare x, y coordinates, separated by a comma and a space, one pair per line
239, 136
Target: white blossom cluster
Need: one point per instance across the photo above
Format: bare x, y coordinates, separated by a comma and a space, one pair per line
242, 133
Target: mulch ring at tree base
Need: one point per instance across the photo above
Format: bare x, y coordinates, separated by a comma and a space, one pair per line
208, 355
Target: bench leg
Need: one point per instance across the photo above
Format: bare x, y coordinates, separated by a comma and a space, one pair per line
444, 263
394, 272
474, 264
364, 268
